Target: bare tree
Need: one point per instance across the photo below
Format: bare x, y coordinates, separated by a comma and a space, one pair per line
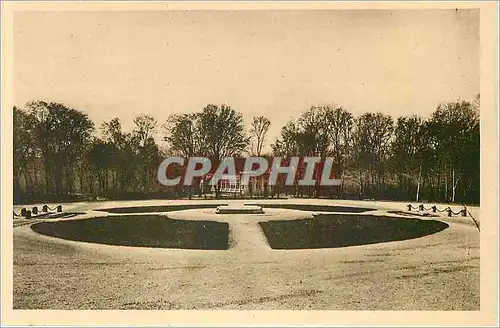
223, 133
182, 136
371, 139
409, 147
340, 125
25, 151
222, 130
258, 132
62, 134
145, 127
455, 137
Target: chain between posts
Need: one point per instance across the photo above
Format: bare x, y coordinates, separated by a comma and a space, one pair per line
443, 210
457, 213
448, 209
28, 213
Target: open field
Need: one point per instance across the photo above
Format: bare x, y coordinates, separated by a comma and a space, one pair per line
437, 271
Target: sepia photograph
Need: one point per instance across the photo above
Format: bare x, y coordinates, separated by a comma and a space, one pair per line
237, 158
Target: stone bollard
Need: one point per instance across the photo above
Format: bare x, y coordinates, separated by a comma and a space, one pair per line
45, 208
449, 211
35, 210
464, 211
28, 214
421, 207
434, 209
409, 207
23, 212
59, 208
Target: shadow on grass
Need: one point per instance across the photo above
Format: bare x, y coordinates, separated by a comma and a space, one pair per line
425, 214
141, 231
64, 215
337, 230
316, 208
171, 208
157, 209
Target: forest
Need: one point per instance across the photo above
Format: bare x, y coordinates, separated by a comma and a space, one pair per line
59, 154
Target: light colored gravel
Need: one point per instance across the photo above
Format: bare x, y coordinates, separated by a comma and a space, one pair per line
435, 272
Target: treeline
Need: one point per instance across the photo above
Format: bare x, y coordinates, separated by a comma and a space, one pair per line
57, 156
59, 153
410, 158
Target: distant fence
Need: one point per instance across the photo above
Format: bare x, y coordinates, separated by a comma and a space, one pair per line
464, 212
28, 214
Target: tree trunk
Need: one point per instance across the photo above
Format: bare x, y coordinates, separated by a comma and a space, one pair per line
418, 184
446, 185
80, 176
36, 180
17, 189
106, 180
217, 191
342, 182
91, 182
455, 183
26, 183
360, 184
58, 179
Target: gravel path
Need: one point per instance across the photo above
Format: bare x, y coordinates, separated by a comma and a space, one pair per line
435, 272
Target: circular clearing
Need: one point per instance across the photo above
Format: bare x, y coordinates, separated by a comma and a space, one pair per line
140, 231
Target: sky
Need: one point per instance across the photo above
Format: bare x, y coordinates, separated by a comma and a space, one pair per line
271, 63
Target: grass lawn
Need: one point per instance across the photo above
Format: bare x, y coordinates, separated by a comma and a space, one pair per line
337, 230
317, 208
157, 209
171, 208
141, 230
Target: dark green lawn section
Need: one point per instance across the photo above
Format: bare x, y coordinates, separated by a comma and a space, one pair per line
157, 209
171, 208
337, 230
317, 208
141, 230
